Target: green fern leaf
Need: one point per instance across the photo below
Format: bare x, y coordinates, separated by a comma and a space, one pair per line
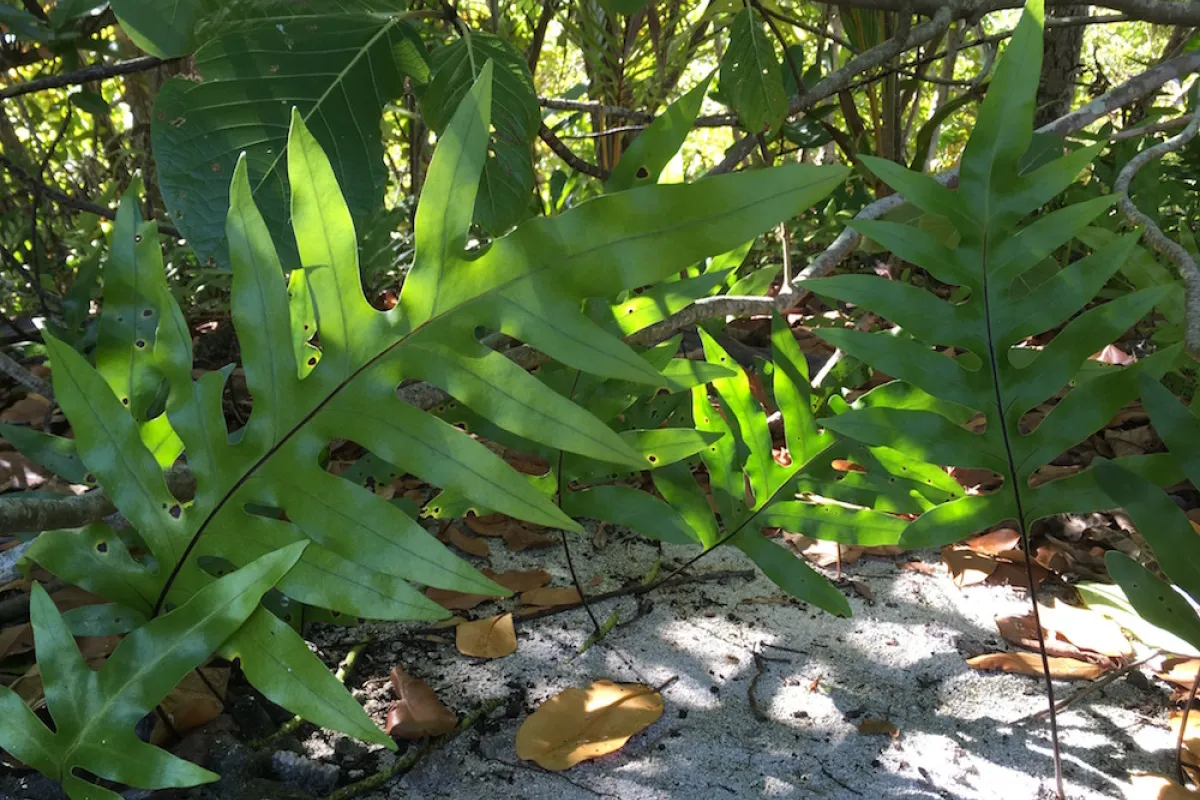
95, 712
987, 375
263, 487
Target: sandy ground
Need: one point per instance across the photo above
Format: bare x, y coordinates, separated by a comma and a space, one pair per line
900, 658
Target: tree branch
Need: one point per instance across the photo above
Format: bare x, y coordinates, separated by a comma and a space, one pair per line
562, 151
1154, 237
1163, 12
96, 72
64, 199
906, 37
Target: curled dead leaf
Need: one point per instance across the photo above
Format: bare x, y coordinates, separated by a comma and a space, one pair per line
487, 638
416, 712
579, 724
1031, 664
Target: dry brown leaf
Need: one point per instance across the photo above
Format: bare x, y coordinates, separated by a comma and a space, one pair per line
527, 539
1031, 664
417, 712
455, 601
579, 724
192, 703
1180, 671
30, 409
1052, 472
878, 727
994, 542
18, 472
487, 638
472, 545
551, 596
1010, 571
491, 524
1086, 629
16, 639
520, 580
821, 552
1156, 787
967, 567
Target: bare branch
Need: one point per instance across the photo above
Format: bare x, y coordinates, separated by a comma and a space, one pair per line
64, 199
565, 153
1163, 12
13, 369
96, 72
1154, 237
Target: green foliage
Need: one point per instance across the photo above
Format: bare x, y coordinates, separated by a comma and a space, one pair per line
751, 77
263, 488
339, 63
800, 492
988, 372
165, 29
1165, 527
507, 180
95, 711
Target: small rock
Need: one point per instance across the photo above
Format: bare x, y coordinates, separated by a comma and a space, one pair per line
296, 770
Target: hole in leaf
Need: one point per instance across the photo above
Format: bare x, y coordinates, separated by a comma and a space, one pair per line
643, 173
312, 361
149, 312
102, 547
176, 511
140, 343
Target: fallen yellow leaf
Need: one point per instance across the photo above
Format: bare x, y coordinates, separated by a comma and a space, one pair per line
1031, 664
579, 724
487, 638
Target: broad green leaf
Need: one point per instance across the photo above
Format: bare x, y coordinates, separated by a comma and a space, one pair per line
1155, 600
643, 161
95, 712
167, 29
634, 509
1175, 423
55, 453
1110, 600
750, 74
507, 180
789, 572
1163, 524
335, 62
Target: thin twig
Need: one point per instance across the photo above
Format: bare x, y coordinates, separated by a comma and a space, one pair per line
1091, 688
95, 72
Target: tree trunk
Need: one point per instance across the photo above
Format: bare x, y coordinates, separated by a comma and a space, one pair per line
1060, 65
